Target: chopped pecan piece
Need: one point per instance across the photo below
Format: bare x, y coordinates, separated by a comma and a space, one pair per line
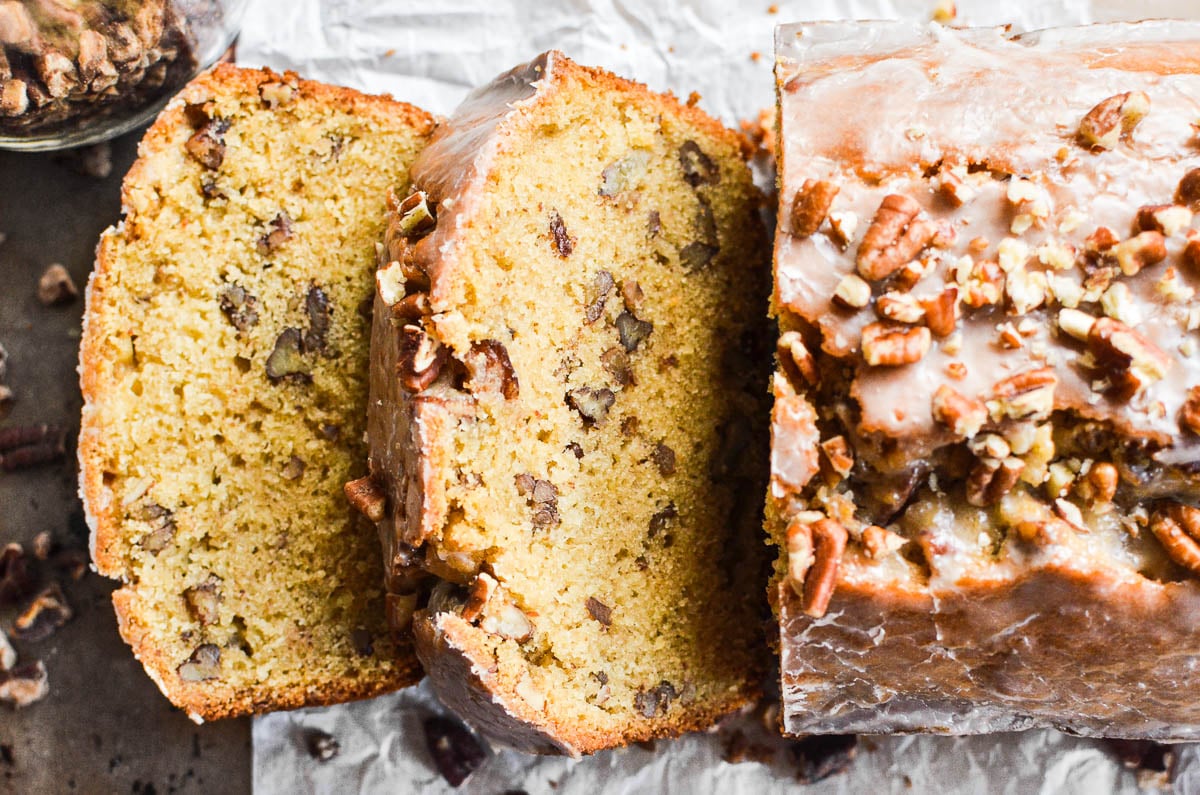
1027, 395
286, 361
367, 497
592, 404
896, 235
941, 312
795, 359
455, 751
321, 746
204, 599
480, 593
508, 621
899, 307
879, 542
420, 358
207, 145
852, 292
279, 231
414, 216
1140, 251
1114, 117
597, 294
491, 370
202, 665
886, 345
24, 684
45, 614
563, 243
1099, 486
599, 611
698, 168
664, 458
991, 479
1167, 219
811, 206
16, 582
1189, 415
838, 454
1132, 361
56, 286
632, 331
1177, 527
239, 307
1188, 192
962, 415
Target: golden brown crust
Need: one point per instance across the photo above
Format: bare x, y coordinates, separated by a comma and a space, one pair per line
203, 700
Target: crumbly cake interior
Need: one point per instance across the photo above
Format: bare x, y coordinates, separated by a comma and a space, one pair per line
610, 496
228, 348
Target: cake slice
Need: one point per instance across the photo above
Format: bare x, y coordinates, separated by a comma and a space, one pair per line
565, 403
985, 429
224, 374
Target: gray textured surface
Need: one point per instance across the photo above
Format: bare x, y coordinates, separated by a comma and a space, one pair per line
104, 726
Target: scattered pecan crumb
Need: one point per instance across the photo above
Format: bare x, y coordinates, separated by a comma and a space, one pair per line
822, 756
320, 745
239, 307
24, 684
48, 611
56, 287
279, 231
16, 581
455, 751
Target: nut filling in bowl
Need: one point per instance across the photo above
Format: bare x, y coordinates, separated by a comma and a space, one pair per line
986, 433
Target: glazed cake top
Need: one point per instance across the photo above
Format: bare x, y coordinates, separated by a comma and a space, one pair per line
1037, 229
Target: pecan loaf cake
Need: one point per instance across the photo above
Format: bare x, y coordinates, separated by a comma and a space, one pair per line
563, 412
987, 402
224, 373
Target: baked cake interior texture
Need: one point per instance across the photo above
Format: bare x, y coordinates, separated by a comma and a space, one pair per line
567, 420
224, 370
987, 400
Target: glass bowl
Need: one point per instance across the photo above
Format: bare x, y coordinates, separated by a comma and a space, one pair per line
75, 72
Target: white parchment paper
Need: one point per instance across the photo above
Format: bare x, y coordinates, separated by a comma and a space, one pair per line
431, 53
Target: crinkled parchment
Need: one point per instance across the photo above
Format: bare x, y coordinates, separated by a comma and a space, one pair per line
432, 53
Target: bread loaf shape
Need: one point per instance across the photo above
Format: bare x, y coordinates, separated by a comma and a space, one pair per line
564, 404
224, 374
985, 428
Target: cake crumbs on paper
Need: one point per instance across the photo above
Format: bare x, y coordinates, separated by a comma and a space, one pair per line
693, 99
945, 11
773, 9
756, 56
761, 131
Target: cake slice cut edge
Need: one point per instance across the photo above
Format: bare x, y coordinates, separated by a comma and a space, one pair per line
223, 367
565, 400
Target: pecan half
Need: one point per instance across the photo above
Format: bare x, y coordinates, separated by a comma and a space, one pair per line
811, 206
895, 236
829, 542
886, 345
367, 497
1112, 118
420, 358
1177, 527
56, 286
